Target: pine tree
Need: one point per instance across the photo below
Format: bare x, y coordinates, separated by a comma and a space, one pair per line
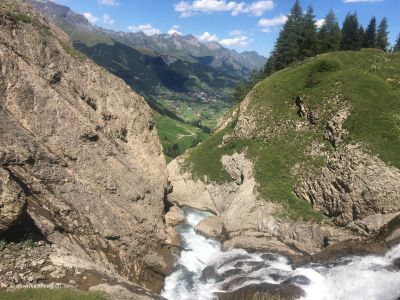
397, 45
361, 37
382, 40
287, 48
239, 92
350, 33
370, 34
329, 35
270, 66
308, 35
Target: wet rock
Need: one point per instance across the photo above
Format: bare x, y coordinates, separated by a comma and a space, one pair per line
233, 272
269, 256
233, 259
209, 273
251, 266
396, 263
301, 280
259, 267
277, 277
344, 249
211, 227
264, 291
232, 284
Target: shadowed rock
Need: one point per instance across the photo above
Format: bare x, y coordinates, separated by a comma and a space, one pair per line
264, 291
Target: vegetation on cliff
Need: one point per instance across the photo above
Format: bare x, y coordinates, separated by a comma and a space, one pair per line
287, 114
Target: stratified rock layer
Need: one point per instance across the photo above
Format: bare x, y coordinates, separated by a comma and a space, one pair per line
84, 147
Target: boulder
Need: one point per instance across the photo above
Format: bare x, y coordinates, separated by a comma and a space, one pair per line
211, 227
209, 273
174, 216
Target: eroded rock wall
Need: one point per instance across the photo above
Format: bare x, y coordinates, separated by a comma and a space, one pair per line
85, 148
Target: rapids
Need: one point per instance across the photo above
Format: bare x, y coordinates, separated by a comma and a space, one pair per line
366, 278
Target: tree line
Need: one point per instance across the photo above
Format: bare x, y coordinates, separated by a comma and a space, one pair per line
300, 38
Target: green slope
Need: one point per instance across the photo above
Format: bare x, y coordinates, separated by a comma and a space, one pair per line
176, 137
51, 294
367, 83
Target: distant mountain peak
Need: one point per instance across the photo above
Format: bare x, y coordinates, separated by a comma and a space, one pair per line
213, 45
188, 47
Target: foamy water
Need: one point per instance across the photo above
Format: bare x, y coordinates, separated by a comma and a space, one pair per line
365, 278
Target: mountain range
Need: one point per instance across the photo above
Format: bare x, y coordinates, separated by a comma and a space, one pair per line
188, 47
178, 75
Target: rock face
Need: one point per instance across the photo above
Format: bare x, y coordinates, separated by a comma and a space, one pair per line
188, 192
79, 147
246, 221
354, 189
12, 201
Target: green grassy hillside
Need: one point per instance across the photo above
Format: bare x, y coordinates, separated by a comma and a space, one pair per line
182, 86
51, 294
367, 83
176, 137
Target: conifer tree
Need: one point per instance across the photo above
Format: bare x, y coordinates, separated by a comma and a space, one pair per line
270, 66
397, 45
350, 33
287, 48
308, 35
361, 37
329, 35
382, 40
370, 34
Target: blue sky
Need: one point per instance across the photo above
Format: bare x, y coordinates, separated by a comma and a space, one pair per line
238, 24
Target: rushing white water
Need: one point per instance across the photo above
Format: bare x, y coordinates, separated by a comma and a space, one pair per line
365, 278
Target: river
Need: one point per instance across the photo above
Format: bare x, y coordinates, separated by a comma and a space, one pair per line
365, 278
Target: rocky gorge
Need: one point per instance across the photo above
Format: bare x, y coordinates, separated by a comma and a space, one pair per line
87, 200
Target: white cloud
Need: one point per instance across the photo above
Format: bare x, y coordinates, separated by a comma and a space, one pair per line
259, 7
107, 20
147, 29
174, 30
320, 22
91, 18
208, 37
109, 2
236, 32
357, 1
240, 41
256, 8
268, 24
